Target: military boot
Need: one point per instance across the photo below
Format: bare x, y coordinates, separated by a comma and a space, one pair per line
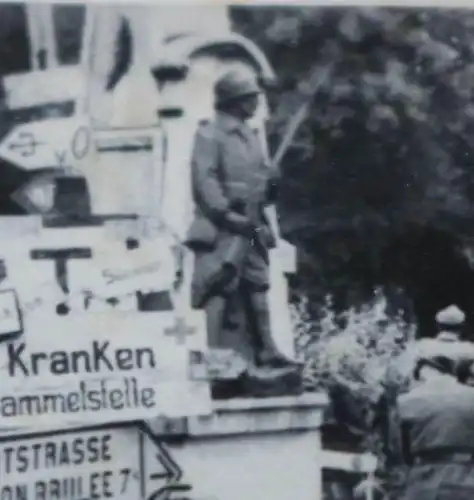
269, 355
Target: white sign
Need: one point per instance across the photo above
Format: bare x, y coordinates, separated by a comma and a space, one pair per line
73, 465
10, 316
118, 462
149, 267
95, 368
95, 268
58, 142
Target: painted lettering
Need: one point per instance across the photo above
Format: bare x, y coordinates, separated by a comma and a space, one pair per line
56, 452
69, 466
81, 142
17, 492
113, 276
60, 156
148, 397
100, 485
94, 396
68, 488
99, 358
60, 257
125, 359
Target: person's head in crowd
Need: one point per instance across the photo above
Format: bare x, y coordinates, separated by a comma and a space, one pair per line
450, 324
428, 368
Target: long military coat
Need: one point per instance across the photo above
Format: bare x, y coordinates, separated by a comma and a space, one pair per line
438, 416
229, 173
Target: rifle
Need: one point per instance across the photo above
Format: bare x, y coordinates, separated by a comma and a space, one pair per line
318, 78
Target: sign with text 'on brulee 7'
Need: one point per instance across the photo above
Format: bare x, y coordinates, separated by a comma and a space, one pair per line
121, 462
86, 369
71, 465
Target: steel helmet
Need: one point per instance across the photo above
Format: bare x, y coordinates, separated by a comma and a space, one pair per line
236, 84
450, 317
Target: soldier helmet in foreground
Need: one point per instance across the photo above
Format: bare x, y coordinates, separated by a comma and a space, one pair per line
236, 84
452, 316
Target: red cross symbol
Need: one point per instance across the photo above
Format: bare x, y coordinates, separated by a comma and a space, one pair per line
180, 331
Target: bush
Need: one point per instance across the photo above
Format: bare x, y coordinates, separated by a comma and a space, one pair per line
357, 356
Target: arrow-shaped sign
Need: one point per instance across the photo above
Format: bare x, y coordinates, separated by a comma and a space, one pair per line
171, 473
59, 142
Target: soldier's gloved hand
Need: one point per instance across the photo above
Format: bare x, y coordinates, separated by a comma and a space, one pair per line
240, 224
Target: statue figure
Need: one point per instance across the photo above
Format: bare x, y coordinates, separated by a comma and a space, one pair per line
230, 235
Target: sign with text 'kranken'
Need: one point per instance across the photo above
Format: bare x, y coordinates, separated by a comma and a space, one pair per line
86, 369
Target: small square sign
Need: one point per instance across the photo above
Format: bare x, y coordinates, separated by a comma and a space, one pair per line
10, 315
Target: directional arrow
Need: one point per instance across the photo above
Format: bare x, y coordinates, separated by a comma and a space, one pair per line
172, 472
58, 142
26, 145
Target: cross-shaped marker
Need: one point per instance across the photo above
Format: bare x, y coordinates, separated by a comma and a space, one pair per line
180, 331
26, 145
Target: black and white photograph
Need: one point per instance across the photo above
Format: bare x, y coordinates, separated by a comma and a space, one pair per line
238, 251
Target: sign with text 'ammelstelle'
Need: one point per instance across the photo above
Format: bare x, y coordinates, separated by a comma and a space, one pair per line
84, 369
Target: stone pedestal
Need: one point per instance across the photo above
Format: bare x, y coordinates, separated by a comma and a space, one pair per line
252, 449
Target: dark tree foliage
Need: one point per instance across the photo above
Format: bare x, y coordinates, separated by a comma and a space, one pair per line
385, 159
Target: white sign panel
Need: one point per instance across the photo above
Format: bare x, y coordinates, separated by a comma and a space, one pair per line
74, 465
95, 268
92, 368
122, 462
58, 142
10, 316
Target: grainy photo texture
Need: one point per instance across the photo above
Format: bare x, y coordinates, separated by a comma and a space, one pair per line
238, 256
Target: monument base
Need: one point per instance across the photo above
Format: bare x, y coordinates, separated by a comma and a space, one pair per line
231, 376
249, 448
260, 383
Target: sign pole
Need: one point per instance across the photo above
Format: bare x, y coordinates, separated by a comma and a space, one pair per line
88, 37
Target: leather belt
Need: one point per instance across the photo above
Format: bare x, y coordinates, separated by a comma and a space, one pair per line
443, 457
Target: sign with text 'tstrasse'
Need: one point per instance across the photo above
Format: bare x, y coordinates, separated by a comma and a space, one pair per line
71, 465
117, 461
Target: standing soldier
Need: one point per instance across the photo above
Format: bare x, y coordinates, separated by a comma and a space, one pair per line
450, 323
437, 433
230, 234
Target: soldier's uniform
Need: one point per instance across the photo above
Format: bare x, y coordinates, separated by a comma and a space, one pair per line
230, 176
437, 440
